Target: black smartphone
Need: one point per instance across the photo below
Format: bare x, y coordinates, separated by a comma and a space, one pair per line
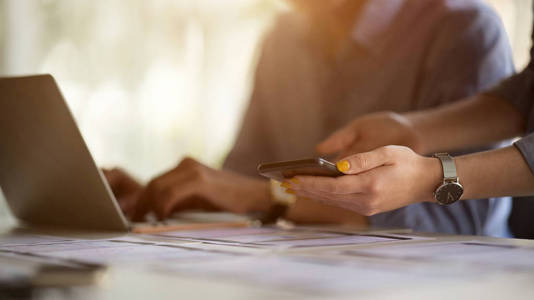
287, 169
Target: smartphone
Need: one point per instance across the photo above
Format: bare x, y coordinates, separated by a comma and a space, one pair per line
287, 169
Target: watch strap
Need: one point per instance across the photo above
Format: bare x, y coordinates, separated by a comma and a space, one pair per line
449, 167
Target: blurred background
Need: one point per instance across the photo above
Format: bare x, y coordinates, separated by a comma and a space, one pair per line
151, 81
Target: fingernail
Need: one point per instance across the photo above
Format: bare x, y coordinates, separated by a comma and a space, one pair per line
285, 185
343, 165
290, 191
295, 180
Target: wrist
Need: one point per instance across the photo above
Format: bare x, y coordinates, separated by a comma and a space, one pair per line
260, 199
419, 126
244, 194
432, 178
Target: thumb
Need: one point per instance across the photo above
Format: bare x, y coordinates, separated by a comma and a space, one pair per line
362, 162
339, 141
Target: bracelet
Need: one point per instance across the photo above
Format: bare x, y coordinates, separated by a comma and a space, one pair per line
281, 203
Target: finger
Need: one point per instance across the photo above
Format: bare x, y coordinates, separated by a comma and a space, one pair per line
352, 202
358, 147
141, 208
120, 182
362, 162
166, 188
338, 141
340, 185
151, 192
112, 177
128, 203
176, 197
326, 197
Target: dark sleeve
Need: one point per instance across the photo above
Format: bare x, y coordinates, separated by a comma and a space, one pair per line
519, 91
526, 147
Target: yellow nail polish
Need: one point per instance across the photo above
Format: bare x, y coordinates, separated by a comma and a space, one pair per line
285, 185
290, 191
295, 180
343, 165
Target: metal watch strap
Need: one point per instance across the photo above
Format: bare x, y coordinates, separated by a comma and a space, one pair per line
449, 167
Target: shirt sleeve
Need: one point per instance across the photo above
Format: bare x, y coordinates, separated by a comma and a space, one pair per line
519, 91
526, 147
469, 54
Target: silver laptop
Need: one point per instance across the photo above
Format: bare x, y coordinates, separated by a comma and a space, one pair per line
46, 171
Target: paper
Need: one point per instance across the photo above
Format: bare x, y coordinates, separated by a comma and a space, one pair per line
150, 239
334, 241
279, 236
219, 233
65, 246
113, 252
14, 239
475, 252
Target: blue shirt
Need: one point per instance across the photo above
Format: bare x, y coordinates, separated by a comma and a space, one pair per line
403, 55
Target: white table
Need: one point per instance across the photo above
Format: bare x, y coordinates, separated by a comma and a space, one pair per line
123, 281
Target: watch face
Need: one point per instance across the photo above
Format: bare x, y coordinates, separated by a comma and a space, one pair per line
449, 193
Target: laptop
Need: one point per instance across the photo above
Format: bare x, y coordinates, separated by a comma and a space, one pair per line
49, 177
47, 174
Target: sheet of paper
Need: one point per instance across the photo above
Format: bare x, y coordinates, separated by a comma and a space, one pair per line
334, 241
14, 239
279, 236
463, 252
113, 252
219, 233
66, 246
150, 239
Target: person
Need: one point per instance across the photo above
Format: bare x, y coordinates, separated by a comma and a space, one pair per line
322, 65
374, 175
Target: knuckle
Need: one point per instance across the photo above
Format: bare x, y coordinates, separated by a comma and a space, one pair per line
373, 186
197, 174
186, 162
359, 162
155, 185
118, 170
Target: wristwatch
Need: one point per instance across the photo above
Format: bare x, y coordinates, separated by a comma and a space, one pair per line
281, 202
450, 190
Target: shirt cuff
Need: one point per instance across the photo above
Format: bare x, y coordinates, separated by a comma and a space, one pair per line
526, 147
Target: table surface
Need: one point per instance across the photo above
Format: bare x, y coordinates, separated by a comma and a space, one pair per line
317, 272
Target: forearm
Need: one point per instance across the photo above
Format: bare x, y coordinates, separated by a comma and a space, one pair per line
496, 173
473, 122
245, 194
